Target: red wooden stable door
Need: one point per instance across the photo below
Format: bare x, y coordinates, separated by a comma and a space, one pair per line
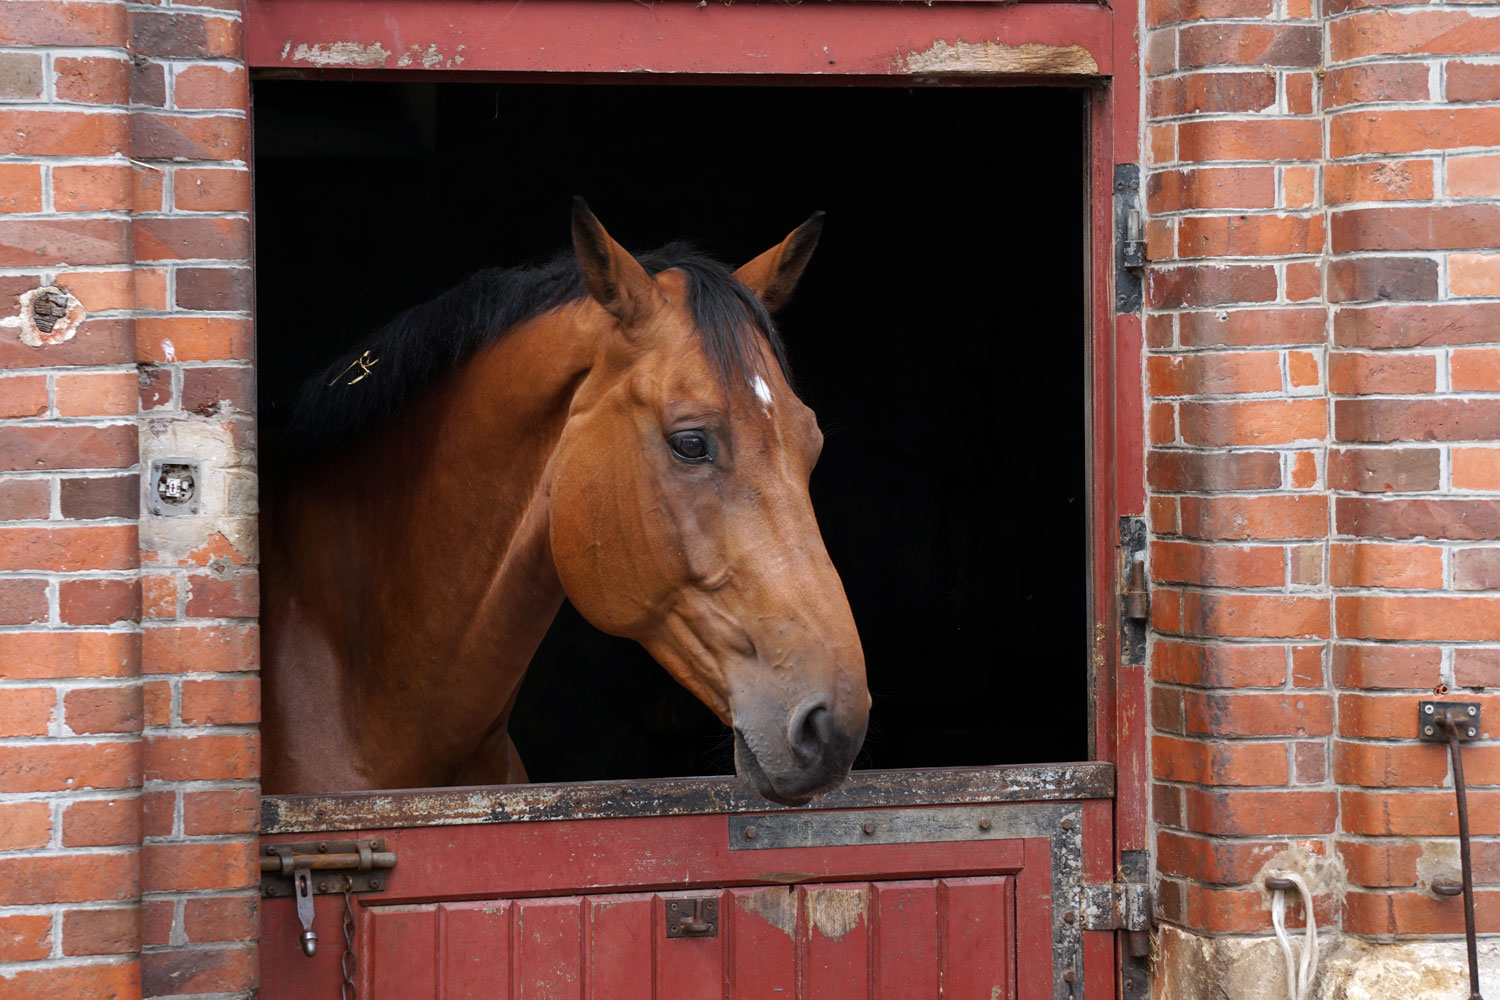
689, 888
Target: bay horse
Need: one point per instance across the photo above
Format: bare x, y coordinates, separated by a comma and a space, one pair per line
619, 432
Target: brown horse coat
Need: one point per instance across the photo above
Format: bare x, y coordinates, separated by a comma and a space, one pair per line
610, 450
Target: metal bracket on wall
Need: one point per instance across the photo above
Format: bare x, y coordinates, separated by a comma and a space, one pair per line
1130, 238
1135, 598
1453, 723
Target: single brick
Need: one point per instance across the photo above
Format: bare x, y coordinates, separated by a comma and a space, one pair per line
1359, 666
23, 602
1387, 374
26, 711
20, 186
215, 289
1463, 520
20, 76
1394, 566
101, 932
83, 498
1417, 419
92, 79
102, 823
1476, 569
1233, 518
1392, 278
103, 710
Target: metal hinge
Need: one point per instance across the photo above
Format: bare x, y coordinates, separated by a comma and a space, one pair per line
1135, 596
1130, 238
1115, 906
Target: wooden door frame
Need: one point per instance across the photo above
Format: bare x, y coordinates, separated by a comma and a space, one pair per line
875, 42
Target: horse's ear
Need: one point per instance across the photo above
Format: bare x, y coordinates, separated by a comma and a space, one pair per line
615, 279
774, 273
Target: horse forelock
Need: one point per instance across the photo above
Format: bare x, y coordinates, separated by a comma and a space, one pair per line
427, 340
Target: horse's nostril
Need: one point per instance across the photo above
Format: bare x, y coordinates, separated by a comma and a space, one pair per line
810, 729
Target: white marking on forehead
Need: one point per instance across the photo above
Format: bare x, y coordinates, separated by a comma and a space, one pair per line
762, 391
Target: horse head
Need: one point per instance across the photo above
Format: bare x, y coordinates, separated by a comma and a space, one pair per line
680, 514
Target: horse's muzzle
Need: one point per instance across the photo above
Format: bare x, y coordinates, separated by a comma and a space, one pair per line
813, 754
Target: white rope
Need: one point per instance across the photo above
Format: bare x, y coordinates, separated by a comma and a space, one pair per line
1299, 976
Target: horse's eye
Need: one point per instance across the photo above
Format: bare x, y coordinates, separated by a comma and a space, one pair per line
690, 446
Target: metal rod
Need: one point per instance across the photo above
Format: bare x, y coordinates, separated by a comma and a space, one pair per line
324, 862
1450, 722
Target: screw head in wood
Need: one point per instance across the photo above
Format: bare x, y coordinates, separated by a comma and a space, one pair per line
750, 833
869, 827
984, 822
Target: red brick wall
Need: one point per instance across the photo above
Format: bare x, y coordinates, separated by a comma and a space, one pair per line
1324, 360
128, 694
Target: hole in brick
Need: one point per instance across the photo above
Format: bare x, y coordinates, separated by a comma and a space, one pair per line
49, 315
48, 309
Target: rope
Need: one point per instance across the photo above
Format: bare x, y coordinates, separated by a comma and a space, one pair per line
1299, 976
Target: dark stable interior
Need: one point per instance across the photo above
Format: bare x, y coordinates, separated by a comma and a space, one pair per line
939, 333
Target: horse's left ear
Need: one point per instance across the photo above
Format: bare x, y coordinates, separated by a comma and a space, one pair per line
774, 274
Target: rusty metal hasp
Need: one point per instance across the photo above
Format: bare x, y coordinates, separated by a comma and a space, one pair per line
325, 866
697, 917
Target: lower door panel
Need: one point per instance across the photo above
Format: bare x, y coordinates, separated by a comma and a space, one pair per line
527, 894
915, 939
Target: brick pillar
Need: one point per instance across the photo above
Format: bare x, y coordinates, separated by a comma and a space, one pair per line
1414, 280
1238, 429
70, 695
127, 737
1322, 474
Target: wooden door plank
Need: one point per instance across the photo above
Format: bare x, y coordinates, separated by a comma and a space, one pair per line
762, 928
403, 953
1033, 926
474, 950
549, 949
285, 971
978, 938
905, 919
688, 968
836, 934
620, 947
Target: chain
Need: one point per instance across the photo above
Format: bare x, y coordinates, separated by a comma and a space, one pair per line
348, 963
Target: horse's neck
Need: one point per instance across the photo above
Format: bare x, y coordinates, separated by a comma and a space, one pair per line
449, 574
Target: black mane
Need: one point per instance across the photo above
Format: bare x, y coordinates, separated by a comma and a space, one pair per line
436, 336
